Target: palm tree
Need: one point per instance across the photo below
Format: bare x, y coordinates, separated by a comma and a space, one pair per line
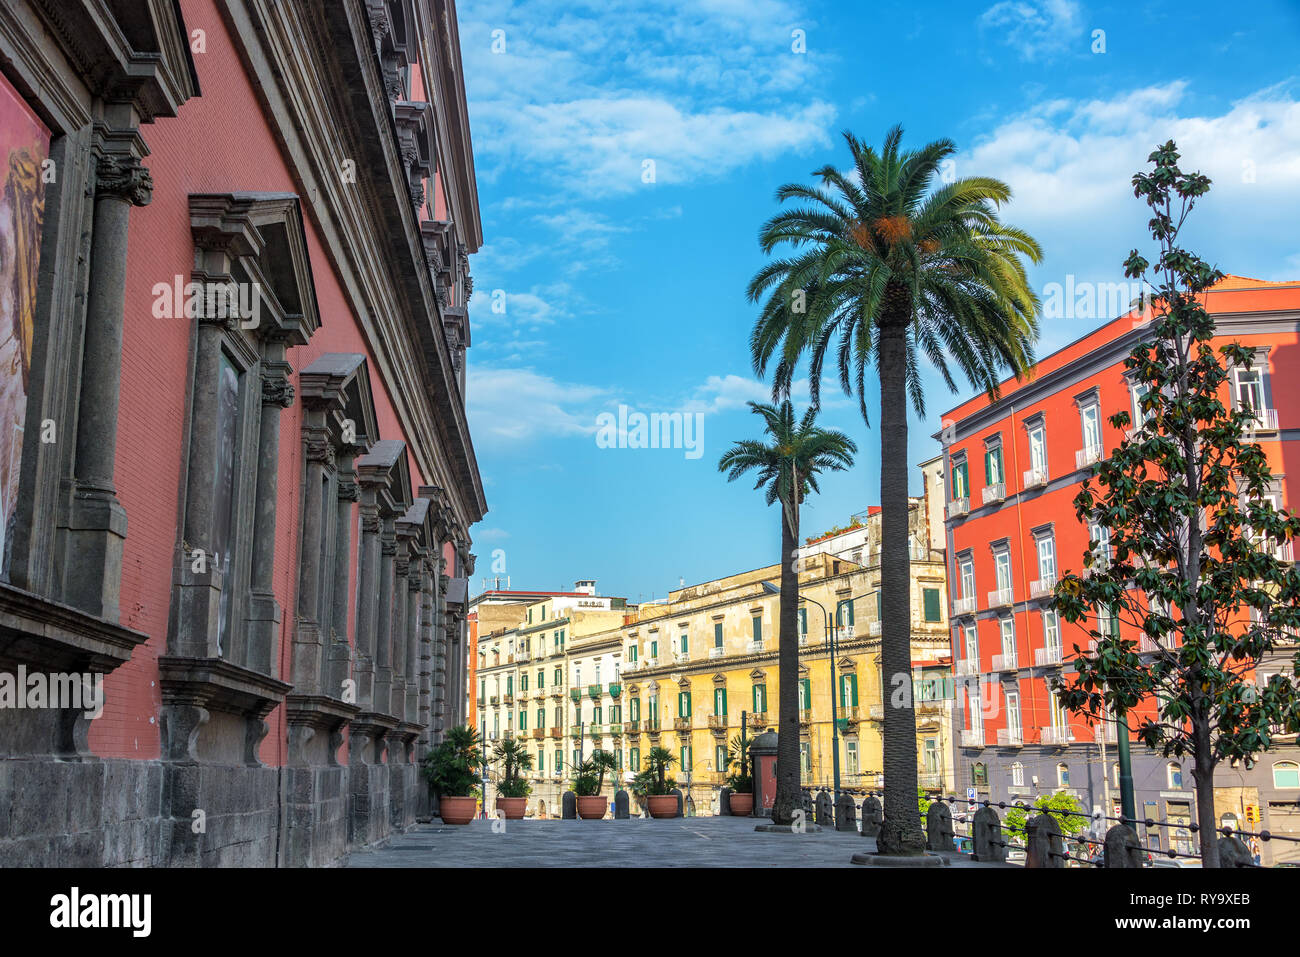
887, 264
787, 468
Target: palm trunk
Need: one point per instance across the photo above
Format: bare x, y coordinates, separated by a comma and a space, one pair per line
901, 830
786, 799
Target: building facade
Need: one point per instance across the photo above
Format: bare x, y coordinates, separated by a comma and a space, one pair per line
236, 470
1012, 468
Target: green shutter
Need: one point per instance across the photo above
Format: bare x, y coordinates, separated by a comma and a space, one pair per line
853, 686
807, 693
848, 610
932, 612
721, 702
880, 606
717, 635
803, 621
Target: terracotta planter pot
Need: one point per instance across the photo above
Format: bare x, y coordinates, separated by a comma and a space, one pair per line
512, 809
742, 805
457, 810
663, 805
592, 808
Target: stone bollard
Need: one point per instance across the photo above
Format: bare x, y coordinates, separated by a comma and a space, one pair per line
1233, 852
724, 805
1122, 848
620, 805
987, 834
677, 793
845, 813
872, 816
570, 806
823, 809
938, 828
806, 802
1043, 844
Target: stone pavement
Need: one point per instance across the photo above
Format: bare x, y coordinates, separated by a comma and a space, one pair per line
637, 842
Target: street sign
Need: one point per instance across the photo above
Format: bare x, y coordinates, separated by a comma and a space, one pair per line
970, 799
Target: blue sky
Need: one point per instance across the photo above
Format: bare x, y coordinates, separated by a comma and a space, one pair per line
596, 288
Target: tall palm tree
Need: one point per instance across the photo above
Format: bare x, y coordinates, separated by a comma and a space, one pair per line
886, 264
787, 468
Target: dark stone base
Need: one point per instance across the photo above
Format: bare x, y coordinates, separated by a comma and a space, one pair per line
787, 828
317, 816
890, 860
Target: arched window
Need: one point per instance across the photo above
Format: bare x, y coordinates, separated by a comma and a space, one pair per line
1063, 775
979, 774
1114, 774
1018, 774
1174, 773
1286, 774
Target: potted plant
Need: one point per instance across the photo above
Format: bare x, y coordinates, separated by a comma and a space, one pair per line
589, 780
512, 789
654, 786
452, 769
739, 779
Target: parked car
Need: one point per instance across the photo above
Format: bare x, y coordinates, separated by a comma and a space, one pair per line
963, 845
1175, 862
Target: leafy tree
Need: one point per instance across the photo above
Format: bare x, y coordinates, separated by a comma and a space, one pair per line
452, 767
787, 468
514, 758
1070, 823
889, 264
1194, 539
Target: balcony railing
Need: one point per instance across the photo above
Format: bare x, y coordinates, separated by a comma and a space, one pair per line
846, 631
958, 507
1042, 587
495, 699
615, 729
994, 493
1046, 657
652, 725
575, 694
1265, 420
971, 738
1000, 596
803, 639
805, 715
717, 722
754, 647
650, 663
930, 779
576, 732
716, 652
681, 657
682, 724
757, 719
1057, 736
850, 713
1105, 734
615, 689
1007, 661
633, 726
873, 628
1034, 478
1086, 458
1010, 738
482, 704
968, 667
538, 734
555, 732
963, 606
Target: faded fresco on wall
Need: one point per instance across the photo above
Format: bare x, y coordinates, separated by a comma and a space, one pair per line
24, 147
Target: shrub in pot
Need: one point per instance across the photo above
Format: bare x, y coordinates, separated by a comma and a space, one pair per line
452, 770
739, 778
653, 786
589, 781
512, 788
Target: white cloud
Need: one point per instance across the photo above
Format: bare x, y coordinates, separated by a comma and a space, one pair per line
1034, 28
509, 405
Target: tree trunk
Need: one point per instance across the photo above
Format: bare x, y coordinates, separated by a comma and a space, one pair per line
1207, 826
900, 833
786, 799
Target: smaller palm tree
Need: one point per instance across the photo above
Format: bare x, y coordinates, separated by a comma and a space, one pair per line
514, 759
604, 762
740, 779
787, 467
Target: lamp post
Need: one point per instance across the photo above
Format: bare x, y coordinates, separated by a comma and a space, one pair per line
835, 724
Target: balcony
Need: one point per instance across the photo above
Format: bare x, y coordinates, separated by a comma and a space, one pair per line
596, 731
615, 689
1010, 738
757, 719
650, 663
682, 724
1035, 478
594, 691
652, 725
554, 732
508, 699
717, 652
1042, 587
575, 732
850, 714
992, 494
633, 726
1001, 596
959, 507
930, 780
1086, 458
754, 647
1105, 734
616, 729
805, 716
1047, 657
495, 700
575, 694
803, 639
718, 723
846, 631
876, 712
538, 734
632, 666
1265, 421
1005, 662
971, 738
482, 704
681, 657
557, 692
1057, 736
967, 668
873, 628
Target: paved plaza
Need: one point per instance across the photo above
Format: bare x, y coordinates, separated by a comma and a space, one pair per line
637, 842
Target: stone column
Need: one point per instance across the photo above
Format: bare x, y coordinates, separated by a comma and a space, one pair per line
424, 714
397, 630
384, 621
308, 645
414, 667
369, 560
264, 612
340, 652
96, 520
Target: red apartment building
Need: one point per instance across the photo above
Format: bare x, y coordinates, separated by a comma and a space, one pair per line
249, 517
1013, 467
